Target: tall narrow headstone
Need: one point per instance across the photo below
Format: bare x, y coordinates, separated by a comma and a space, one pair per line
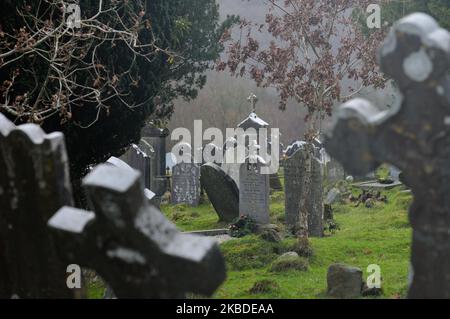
141, 160
130, 243
254, 197
186, 184
156, 138
295, 178
334, 171
34, 184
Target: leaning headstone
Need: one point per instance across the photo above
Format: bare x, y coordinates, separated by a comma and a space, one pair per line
222, 191
254, 192
295, 187
415, 137
34, 184
130, 243
186, 184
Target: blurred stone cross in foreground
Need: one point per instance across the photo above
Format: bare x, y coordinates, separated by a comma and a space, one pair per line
415, 137
127, 241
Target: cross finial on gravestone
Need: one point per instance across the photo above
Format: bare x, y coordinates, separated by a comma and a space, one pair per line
415, 137
253, 99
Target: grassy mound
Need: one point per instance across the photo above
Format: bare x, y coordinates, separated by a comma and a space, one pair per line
289, 263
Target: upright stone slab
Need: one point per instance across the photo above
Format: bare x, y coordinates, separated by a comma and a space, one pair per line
334, 171
294, 175
186, 184
295, 179
222, 191
275, 182
315, 214
141, 160
117, 162
34, 184
415, 137
254, 187
156, 138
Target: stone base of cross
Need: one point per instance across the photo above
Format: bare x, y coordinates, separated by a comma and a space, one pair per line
414, 137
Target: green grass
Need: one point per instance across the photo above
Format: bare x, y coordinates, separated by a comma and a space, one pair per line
380, 235
193, 218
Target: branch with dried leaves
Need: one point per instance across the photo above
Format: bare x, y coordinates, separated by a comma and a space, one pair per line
65, 63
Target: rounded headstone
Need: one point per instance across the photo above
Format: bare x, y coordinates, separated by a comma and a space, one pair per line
222, 191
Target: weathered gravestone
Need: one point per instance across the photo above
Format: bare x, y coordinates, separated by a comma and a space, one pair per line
254, 192
117, 162
295, 180
141, 160
414, 137
34, 184
127, 241
155, 138
186, 184
222, 191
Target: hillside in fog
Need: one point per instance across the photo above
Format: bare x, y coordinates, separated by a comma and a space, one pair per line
223, 101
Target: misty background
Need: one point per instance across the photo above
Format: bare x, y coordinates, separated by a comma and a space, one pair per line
222, 103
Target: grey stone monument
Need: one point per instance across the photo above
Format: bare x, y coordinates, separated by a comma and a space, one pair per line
254, 197
295, 188
186, 184
222, 191
34, 184
141, 160
415, 137
156, 138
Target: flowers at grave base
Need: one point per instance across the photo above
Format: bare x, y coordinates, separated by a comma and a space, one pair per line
244, 225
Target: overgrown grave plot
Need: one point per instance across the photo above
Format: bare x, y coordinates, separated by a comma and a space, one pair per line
378, 235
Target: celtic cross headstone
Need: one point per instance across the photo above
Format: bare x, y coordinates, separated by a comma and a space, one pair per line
414, 137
